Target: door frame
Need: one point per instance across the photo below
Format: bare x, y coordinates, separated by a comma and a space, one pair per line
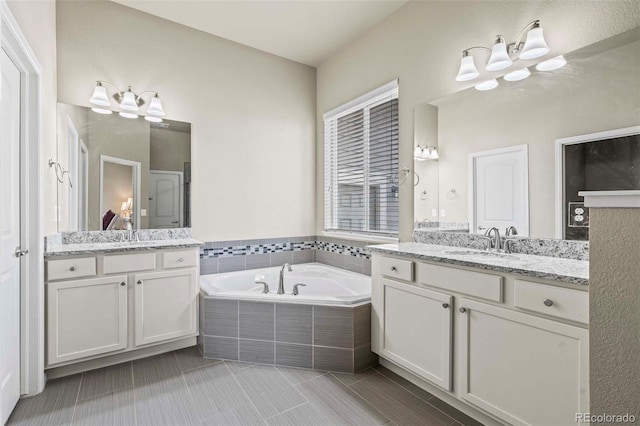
73, 159
136, 167
14, 43
524, 149
180, 188
573, 140
83, 197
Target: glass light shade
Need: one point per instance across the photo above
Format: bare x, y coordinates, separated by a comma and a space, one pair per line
534, 46
518, 75
552, 64
102, 111
128, 114
99, 96
487, 85
129, 102
155, 107
499, 58
123, 207
433, 154
468, 70
153, 119
417, 154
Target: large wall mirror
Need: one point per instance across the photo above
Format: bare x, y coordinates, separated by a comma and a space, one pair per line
515, 155
116, 173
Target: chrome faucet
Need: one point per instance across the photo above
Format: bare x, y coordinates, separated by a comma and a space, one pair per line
497, 241
281, 281
511, 231
509, 238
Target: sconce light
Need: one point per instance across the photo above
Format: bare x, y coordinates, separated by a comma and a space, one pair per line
128, 101
426, 153
503, 55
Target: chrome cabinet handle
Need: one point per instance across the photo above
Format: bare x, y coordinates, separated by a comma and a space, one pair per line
394, 269
139, 282
123, 284
548, 302
445, 305
20, 253
462, 310
73, 268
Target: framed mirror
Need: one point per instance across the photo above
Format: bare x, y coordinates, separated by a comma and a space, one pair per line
518, 154
118, 173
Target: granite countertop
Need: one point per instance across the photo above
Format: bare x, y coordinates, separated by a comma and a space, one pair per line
74, 249
550, 268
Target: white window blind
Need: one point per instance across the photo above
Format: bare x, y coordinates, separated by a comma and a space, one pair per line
361, 164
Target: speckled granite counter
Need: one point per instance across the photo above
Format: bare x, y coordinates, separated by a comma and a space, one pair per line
94, 242
550, 268
95, 248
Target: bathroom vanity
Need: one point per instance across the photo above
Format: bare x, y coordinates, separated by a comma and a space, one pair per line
504, 334
110, 302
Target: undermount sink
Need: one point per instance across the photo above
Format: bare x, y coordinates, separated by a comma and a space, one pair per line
477, 253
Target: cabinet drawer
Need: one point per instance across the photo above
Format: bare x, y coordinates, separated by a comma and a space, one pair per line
483, 286
179, 259
555, 301
120, 263
71, 268
396, 268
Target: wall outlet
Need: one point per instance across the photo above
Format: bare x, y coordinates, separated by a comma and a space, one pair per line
442, 213
434, 213
143, 212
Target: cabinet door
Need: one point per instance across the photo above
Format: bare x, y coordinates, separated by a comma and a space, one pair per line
86, 318
523, 369
416, 330
166, 305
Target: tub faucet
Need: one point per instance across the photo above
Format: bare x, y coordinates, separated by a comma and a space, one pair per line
281, 281
497, 242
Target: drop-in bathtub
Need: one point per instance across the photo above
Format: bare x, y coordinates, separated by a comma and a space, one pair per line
327, 326
325, 285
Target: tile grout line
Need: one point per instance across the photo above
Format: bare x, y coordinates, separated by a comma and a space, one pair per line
186, 385
233, 374
75, 405
291, 409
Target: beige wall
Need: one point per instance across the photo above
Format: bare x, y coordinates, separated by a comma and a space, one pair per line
252, 113
421, 45
122, 138
37, 20
614, 326
169, 150
594, 94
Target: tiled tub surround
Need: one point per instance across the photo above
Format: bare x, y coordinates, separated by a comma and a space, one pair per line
93, 242
551, 268
229, 256
566, 249
328, 338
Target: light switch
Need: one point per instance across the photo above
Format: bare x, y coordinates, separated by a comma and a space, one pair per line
143, 212
434, 213
442, 213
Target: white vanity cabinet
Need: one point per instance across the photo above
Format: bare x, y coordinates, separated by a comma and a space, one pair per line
514, 350
166, 305
120, 303
523, 369
86, 317
425, 347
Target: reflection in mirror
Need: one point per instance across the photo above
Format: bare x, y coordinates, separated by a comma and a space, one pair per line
123, 173
426, 191
507, 139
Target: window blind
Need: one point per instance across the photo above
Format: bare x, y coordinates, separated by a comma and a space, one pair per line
361, 165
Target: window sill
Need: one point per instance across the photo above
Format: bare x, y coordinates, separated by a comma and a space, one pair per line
361, 237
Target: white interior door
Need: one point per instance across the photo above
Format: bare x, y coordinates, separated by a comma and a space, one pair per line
9, 237
500, 190
165, 199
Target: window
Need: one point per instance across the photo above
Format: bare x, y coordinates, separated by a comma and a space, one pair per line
361, 164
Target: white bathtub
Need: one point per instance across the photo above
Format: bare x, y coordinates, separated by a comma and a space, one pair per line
325, 285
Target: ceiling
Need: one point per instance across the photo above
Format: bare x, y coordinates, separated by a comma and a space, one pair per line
305, 31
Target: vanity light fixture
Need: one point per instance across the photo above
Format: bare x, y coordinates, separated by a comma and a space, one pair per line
503, 55
426, 153
552, 64
128, 101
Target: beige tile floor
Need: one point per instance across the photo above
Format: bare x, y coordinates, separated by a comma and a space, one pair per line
182, 388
